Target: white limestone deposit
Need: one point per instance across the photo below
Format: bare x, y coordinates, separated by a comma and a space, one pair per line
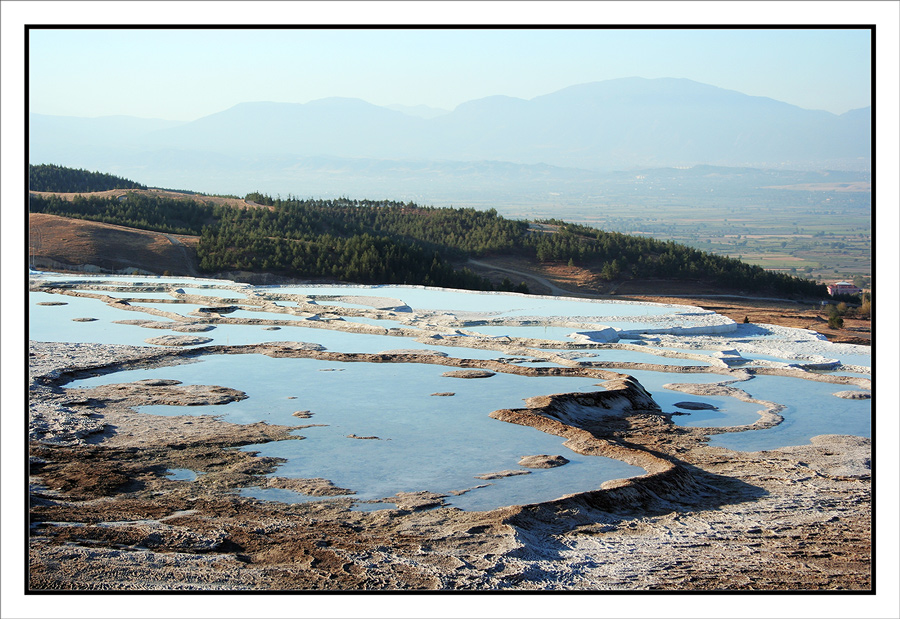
485, 335
177, 340
580, 464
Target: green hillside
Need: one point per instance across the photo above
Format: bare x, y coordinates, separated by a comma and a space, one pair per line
48, 177
383, 241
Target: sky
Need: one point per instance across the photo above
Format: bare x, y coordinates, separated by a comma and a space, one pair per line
184, 74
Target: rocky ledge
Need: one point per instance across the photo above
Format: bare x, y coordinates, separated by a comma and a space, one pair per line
107, 515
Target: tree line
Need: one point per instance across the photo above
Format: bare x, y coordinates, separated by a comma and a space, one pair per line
615, 255
385, 241
49, 177
135, 210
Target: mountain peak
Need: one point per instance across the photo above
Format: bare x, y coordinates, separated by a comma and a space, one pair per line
612, 124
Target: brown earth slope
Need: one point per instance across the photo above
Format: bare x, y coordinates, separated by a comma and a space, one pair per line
71, 244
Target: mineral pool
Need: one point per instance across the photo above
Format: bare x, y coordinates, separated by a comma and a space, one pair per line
376, 429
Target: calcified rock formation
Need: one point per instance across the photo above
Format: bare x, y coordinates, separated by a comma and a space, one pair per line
542, 461
108, 514
803, 510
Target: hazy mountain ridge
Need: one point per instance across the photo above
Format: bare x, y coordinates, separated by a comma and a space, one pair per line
601, 126
422, 111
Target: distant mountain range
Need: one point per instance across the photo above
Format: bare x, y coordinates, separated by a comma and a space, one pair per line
572, 133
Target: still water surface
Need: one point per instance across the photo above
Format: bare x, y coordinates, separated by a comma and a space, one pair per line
430, 442
424, 442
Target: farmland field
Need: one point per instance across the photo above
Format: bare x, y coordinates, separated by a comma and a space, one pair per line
821, 231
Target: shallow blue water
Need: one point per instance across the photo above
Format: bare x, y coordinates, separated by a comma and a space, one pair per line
326, 304
612, 355
182, 309
249, 311
752, 356
812, 409
149, 280
506, 304
424, 442
181, 474
854, 359
439, 443
55, 324
214, 292
387, 324
731, 411
633, 356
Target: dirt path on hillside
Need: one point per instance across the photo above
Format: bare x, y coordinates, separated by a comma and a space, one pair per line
543, 281
188, 257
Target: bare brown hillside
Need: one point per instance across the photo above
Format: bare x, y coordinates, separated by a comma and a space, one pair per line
71, 244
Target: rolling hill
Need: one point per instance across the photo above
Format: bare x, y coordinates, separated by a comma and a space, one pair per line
377, 241
575, 133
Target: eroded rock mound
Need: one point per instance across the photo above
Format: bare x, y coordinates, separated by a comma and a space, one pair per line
193, 328
178, 340
157, 382
854, 395
501, 474
227, 309
696, 406
60, 424
415, 351
312, 487
295, 345
414, 501
542, 461
149, 392
468, 374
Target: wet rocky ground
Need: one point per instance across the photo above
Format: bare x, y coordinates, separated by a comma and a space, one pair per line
106, 515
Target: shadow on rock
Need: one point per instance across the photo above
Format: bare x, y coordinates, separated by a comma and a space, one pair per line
688, 489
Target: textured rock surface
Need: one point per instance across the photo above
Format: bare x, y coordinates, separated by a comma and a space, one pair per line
468, 374
105, 516
542, 461
177, 340
854, 395
695, 406
501, 474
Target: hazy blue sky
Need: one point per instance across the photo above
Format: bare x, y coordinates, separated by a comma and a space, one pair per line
185, 74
